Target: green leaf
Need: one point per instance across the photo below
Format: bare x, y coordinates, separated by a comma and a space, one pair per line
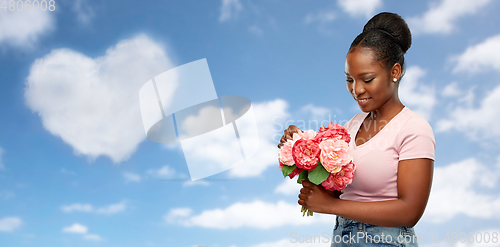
287, 170
302, 176
318, 175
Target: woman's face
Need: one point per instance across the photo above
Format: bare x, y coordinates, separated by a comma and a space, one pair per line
368, 81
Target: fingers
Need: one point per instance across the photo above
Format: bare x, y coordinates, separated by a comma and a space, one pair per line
307, 184
288, 134
282, 140
302, 196
292, 129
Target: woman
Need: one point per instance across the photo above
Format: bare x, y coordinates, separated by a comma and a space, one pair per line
392, 146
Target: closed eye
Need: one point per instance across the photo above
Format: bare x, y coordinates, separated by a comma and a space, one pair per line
366, 81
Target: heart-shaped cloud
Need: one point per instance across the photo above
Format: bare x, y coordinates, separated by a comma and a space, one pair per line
93, 103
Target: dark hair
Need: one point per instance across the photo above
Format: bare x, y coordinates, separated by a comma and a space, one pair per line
389, 36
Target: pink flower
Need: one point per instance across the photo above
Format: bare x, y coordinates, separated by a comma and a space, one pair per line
334, 154
308, 134
338, 181
305, 153
332, 131
285, 154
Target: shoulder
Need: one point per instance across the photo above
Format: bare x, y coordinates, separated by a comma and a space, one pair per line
412, 122
415, 137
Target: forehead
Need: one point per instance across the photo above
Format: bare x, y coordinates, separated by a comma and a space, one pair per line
362, 60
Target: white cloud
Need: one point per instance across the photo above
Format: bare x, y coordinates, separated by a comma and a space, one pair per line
77, 207
201, 182
176, 213
451, 90
257, 31
75, 228
23, 29
420, 98
456, 95
132, 177
63, 170
81, 229
320, 16
256, 214
93, 237
163, 172
458, 188
10, 224
479, 58
441, 17
112, 209
190, 125
313, 117
229, 10
365, 8
84, 12
5, 194
320, 240
316, 112
88, 208
1, 162
269, 117
466, 119
289, 187
92, 104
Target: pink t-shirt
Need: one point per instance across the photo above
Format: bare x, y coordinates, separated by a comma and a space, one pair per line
406, 136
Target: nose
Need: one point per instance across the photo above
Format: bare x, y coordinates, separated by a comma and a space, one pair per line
357, 88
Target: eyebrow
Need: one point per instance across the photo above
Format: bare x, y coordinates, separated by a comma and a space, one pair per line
362, 74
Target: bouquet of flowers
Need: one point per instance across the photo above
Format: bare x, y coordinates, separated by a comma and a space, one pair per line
321, 157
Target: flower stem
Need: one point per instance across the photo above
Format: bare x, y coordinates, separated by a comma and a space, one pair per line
305, 211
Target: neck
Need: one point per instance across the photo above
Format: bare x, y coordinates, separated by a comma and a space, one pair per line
387, 111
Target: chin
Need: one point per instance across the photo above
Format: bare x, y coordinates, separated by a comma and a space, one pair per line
365, 109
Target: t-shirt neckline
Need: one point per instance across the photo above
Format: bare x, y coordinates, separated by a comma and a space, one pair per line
361, 122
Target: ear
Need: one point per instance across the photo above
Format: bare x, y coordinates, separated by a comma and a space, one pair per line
395, 72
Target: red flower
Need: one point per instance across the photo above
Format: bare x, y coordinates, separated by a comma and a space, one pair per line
306, 154
332, 131
338, 181
295, 172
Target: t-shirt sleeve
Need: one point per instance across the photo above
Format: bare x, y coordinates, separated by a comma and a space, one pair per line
417, 140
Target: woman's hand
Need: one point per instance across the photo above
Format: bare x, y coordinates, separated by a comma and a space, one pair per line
315, 197
335, 193
288, 134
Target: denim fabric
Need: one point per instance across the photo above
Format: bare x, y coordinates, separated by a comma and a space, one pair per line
347, 233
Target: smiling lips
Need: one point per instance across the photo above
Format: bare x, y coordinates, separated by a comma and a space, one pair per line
363, 100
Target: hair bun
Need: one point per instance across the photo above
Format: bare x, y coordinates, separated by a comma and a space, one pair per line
394, 25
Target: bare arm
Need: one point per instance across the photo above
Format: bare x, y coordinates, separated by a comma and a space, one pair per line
414, 185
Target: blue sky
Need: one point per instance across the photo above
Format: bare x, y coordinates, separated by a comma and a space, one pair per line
77, 170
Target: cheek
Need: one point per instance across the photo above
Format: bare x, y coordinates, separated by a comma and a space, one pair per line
349, 87
381, 90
